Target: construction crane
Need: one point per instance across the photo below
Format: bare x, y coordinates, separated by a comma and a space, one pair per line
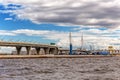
70, 53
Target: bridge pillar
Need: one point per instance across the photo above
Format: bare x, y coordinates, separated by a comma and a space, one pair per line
60, 52
18, 48
47, 50
28, 50
37, 50
54, 51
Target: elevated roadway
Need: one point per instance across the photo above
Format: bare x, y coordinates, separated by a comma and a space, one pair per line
47, 48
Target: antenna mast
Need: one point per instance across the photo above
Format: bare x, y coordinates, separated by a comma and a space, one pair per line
82, 41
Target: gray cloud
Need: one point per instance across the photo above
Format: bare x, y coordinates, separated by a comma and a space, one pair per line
102, 13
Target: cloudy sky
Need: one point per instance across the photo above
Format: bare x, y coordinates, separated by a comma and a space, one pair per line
47, 21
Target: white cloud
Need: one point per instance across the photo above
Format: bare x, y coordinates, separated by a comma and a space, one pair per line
31, 32
8, 19
7, 33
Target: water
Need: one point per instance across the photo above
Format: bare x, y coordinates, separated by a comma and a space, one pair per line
60, 69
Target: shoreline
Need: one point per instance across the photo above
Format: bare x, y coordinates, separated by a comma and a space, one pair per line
53, 56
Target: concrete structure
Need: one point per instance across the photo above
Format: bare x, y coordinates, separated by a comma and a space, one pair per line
32, 52
49, 49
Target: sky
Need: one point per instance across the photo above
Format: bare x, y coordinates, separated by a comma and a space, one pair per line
50, 21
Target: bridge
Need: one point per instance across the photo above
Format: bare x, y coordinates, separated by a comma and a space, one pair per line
48, 49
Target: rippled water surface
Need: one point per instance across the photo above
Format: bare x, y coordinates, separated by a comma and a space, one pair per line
60, 69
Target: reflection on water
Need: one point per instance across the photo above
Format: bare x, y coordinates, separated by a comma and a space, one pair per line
60, 69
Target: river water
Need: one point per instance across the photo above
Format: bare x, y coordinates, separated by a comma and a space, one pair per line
60, 69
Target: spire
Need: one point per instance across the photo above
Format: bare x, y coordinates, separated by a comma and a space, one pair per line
70, 38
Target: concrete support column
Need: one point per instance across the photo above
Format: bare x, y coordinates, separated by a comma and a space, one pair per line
47, 50
37, 50
60, 52
54, 51
28, 50
18, 48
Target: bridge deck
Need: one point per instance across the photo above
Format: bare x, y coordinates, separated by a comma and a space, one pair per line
24, 44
